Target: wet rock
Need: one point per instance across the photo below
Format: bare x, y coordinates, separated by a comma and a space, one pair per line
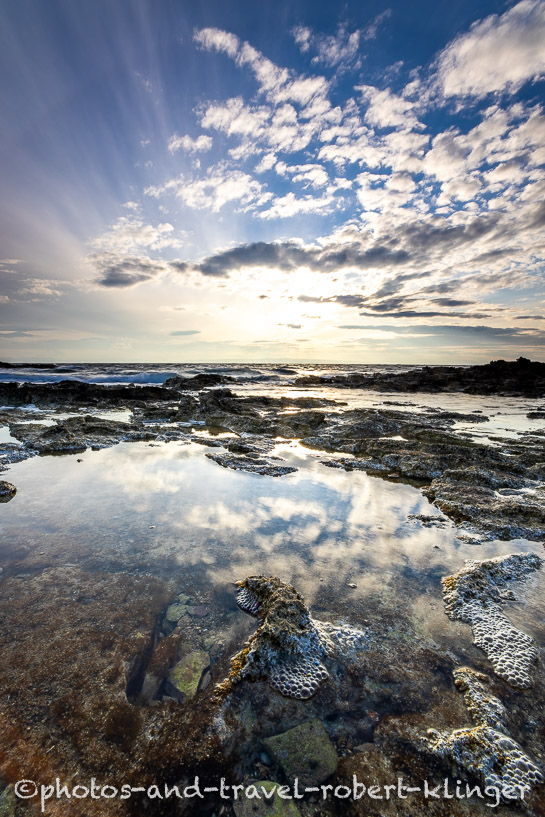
7, 491
519, 378
76, 393
184, 678
176, 611
76, 434
428, 521
487, 750
304, 752
8, 802
517, 516
197, 382
198, 611
261, 798
289, 646
476, 594
262, 466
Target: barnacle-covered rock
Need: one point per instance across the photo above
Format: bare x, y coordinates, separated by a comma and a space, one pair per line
475, 595
289, 645
487, 750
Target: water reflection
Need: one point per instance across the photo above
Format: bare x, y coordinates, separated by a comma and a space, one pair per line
168, 509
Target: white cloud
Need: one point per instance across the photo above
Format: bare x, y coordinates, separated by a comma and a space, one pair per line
339, 49
387, 110
499, 53
201, 143
289, 205
219, 187
130, 233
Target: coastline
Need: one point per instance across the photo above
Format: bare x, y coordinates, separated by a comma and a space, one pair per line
122, 594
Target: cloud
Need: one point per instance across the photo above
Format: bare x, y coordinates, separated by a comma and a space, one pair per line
116, 272
219, 187
388, 110
499, 53
130, 233
201, 143
290, 255
180, 332
513, 333
277, 84
291, 325
341, 49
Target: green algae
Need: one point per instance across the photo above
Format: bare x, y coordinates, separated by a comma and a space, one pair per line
187, 673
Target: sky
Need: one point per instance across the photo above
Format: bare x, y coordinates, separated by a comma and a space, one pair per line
303, 181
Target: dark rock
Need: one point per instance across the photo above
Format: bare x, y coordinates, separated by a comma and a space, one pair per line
254, 466
76, 393
521, 377
197, 382
7, 491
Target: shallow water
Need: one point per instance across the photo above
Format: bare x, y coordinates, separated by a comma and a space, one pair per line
167, 509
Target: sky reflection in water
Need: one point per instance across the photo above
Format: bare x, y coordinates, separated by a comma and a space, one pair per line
169, 510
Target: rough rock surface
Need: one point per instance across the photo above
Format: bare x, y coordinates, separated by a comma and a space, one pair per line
288, 647
521, 377
487, 750
476, 595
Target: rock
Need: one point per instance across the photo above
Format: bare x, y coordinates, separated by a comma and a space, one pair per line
184, 678
259, 465
289, 645
199, 611
75, 392
198, 381
8, 802
259, 805
176, 611
183, 598
304, 752
7, 491
521, 377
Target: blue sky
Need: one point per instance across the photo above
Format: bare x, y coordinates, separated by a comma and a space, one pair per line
272, 181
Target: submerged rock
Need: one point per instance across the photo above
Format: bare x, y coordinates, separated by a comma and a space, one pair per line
486, 750
8, 802
288, 647
184, 678
474, 595
304, 752
261, 797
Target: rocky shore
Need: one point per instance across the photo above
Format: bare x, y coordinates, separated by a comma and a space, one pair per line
522, 378
113, 673
495, 489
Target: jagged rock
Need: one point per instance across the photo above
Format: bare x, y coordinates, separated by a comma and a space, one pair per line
521, 378
7, 491
262, 466
197, 382
76, 393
